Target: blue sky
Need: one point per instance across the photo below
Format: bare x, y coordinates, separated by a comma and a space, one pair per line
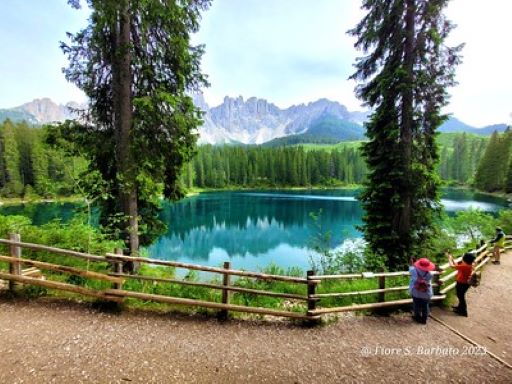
31, 60
287, 51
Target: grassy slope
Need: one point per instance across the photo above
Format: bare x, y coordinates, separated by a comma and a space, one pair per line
330, 147
443, 139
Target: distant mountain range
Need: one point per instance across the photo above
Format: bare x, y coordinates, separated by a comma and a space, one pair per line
40, 111
253, 121
455, 125
256, 121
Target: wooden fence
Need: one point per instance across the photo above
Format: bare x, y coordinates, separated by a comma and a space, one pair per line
110, 270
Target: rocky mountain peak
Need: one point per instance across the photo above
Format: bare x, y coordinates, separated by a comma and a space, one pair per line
44, 110
255, 120
251, 121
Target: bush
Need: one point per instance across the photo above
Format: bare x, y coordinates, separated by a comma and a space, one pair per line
29, 193
74, 235
33, 291
471, 226
505, 221
13, 224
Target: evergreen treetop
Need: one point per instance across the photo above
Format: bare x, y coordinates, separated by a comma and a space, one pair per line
136, 64
403, 78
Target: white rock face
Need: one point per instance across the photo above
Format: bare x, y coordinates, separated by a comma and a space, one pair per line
46, 111
257, 121
253, 121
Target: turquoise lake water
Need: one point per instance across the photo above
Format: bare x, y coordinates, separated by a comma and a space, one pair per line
255, 228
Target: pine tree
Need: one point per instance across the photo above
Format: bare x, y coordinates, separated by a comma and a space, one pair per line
39, 165
2, 160
444, 169
25, 140
508, 183
460, 162
504, 158
135, 63
403, 79
11, 159
488, 176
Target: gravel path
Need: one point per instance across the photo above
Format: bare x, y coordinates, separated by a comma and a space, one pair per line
490, 310
44, 341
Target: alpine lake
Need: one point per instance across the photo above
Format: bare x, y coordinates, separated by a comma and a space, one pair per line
253, 229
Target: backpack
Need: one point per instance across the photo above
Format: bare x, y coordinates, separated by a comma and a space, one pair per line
421, 285
474, 279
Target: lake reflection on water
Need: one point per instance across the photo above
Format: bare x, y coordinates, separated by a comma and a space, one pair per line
254, 229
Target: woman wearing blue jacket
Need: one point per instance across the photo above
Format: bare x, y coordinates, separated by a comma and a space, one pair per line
420, 288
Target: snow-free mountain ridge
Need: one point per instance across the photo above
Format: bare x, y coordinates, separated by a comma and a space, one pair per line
256, 121
252, 121
40, 111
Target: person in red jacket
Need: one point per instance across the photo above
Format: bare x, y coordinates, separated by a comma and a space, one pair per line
464, 271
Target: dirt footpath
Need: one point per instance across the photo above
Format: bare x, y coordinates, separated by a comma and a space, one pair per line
489, 309
48, 342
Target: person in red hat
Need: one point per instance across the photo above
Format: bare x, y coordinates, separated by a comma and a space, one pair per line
420, 288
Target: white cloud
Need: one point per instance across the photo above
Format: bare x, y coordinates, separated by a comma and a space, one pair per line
287, 51
484, 93
296, 51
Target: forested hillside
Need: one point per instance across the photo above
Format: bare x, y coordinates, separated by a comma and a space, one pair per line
256, 166
494, 171
28, 166
460, 154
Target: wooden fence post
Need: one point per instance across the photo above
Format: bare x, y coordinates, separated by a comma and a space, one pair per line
382, 285
14, 266
436, 282
223, 314
311, 292
118, 267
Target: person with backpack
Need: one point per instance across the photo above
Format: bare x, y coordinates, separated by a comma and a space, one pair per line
463, 280
420, 288
499, 243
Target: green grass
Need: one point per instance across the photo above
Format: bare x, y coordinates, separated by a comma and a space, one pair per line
80, 237
215, 295
330, 147
238, 298
331, 286
447, 139
39, 199
334, 185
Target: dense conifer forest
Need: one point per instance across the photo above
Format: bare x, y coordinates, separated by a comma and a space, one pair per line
30, 167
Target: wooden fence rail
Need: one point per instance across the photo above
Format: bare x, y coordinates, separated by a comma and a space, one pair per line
59, 251
117, 277
442, 282
368, 306
482, 258
234, 272
223, 287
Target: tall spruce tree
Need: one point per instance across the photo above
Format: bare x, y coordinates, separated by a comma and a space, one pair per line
403, 77
11, 161
39, 163
491, 174
136, 64
461, 165
508, 183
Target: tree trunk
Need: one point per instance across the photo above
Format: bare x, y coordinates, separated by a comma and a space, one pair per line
122, 79
406, 134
